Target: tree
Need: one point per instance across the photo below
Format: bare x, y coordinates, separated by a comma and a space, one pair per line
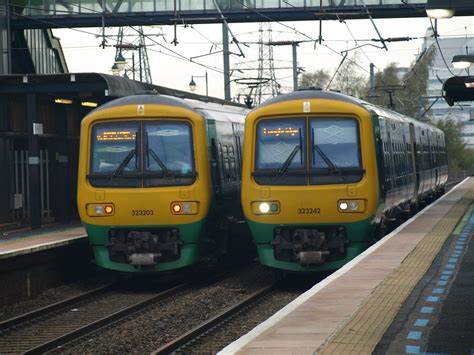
348, 79
459, 156
410, 98
318, 78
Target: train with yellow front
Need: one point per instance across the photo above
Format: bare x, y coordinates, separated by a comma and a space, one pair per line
159, 181
325, 173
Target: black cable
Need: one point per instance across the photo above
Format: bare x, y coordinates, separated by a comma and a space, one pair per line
435, 35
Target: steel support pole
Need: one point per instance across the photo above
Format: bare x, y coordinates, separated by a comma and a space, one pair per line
63, 188
225, 43
33, 162
295, 66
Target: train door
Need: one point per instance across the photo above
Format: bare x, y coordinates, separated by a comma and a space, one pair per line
414, 161
214, 158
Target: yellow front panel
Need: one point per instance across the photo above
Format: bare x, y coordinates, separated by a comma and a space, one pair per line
145, 205
311, 204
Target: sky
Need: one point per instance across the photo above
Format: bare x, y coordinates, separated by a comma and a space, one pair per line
172, 66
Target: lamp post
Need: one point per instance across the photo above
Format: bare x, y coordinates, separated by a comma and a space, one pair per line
192, 83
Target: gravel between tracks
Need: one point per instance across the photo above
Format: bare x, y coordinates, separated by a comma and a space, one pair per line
241, 324
54, 295
159, 324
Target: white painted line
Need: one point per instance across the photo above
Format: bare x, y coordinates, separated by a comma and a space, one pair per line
285, 311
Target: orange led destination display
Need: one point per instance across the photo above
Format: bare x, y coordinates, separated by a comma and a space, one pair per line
281, 131
116, 136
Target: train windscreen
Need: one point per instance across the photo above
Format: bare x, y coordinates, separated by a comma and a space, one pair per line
142, 154
310, 150
281, 151
335, 154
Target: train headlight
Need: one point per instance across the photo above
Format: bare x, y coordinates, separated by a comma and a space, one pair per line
100, 209
351, 206
265, 207
184, 207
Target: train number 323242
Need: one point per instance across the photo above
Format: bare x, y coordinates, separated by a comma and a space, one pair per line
309, 210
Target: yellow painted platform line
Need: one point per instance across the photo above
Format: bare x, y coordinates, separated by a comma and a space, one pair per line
368, 324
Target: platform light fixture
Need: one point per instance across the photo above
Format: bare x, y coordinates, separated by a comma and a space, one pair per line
462, 61
120, 61
469, 82
115, 69
63, 101
89, 104
192, 83
438, 9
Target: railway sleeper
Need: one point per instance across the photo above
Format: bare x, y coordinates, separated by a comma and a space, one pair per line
310, 246
144, 247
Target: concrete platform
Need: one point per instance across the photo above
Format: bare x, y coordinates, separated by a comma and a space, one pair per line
34, 260
29, 241
391, 298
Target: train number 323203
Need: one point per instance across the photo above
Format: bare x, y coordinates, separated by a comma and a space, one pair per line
309, 211
142, 213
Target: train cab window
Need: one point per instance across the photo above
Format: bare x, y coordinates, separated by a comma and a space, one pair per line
334, 150
141, 154
280, 154
114, 154
168, 153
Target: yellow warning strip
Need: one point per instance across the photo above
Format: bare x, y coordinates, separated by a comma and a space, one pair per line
368, 324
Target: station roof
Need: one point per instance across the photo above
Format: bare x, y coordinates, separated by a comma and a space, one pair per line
102, 87
455, 90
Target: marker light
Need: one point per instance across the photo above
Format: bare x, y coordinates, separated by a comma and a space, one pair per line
264, 207
343, 206
183, 208
100, 209
351, 206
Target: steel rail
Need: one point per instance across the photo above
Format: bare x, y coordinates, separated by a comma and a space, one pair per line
26, 317
75, 334
211, 323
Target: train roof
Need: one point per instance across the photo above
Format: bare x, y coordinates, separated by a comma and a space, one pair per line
318, 93
312, 93
209, 110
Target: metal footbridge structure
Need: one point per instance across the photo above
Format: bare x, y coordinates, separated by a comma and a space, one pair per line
97, 13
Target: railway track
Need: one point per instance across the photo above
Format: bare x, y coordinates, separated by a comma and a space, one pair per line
50, 327
184, 343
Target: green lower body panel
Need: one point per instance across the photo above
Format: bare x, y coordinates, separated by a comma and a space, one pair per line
192, 237
358, 234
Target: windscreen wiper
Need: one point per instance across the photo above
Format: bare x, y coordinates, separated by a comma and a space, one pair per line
166, 171
286, 164
123, 164
332, 167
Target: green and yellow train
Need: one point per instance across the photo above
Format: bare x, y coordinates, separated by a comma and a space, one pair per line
324, 172
159, 181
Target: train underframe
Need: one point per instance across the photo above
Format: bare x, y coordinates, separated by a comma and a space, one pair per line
310, 247
147, 249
